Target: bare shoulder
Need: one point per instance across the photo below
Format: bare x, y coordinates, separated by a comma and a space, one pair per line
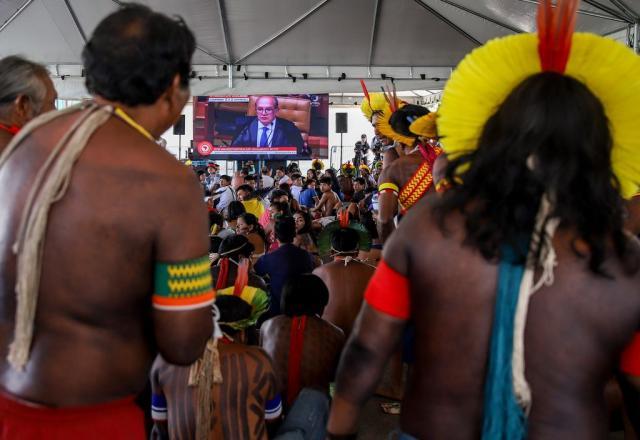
273, 324
333, 330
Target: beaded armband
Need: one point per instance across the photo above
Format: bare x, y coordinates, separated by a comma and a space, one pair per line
388, 187
183, 286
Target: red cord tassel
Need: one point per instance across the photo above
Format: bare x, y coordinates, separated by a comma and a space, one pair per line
296, 345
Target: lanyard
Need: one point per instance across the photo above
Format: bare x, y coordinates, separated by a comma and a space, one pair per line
133, 124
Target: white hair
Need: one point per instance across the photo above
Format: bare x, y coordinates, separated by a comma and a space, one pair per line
19, 76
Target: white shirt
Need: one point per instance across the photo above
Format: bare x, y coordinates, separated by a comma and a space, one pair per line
267, 181
270, 128
295, 192
226, 196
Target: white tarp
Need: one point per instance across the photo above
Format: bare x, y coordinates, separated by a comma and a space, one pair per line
405, 39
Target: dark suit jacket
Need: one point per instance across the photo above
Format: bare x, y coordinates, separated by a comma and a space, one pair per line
285, 262
285, 134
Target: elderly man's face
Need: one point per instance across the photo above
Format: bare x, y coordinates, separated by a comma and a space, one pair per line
266, 109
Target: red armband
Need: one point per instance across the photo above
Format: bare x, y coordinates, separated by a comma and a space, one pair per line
630, 359
388, 292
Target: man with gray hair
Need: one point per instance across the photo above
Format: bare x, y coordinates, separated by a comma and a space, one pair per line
25, 92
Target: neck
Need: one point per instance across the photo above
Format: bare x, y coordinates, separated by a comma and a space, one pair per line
344, 256
145, 115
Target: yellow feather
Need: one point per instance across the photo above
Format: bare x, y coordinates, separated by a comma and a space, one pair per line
485, 77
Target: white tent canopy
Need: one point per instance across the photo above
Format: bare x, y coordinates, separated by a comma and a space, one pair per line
416, 42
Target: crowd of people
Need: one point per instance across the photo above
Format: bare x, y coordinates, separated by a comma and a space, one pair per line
127, 312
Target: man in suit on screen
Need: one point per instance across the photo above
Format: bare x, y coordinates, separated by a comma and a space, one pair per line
267, 130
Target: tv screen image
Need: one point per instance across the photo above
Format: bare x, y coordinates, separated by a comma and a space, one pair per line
261, 127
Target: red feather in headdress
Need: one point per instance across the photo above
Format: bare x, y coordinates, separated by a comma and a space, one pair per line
364, 90
344, 219
242, 278
555, 31
391, 96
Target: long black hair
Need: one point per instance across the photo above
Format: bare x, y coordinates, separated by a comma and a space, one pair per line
551, 135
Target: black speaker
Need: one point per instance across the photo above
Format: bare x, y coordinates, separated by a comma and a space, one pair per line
179, 127
341, 123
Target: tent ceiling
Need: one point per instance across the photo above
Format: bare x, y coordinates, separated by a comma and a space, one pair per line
358, 37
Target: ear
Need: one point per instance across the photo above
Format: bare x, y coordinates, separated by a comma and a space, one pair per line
23, 111
176, 96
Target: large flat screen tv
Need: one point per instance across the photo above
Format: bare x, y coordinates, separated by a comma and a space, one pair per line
261, 127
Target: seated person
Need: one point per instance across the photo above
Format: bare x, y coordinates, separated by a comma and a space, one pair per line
309, 196
230, 253
240, 387
231, 214
329, 201
346, 278
285, 262
249, 226
252, 202
304, 348
304, 234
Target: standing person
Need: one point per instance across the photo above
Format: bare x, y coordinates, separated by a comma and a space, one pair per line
127, 225
511, 226
304, 348
213, 176
287, 261
408, 178
26, 91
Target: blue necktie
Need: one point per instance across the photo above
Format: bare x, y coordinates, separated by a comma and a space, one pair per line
264, 138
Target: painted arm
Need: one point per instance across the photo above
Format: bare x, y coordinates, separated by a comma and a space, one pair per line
388, 206
183, 293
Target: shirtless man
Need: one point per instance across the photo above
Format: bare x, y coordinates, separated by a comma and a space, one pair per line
26, 91
440, 270
130, 210
346, 279
329, 201
239, 406
308, 356
409, 177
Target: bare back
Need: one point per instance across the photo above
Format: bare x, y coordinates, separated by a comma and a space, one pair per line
323, 342
238, 402
575, 331
94, 329
346, 284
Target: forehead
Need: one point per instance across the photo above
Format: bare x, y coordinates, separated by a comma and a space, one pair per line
266, 100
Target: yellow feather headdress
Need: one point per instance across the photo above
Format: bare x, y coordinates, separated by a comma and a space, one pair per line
485, 77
